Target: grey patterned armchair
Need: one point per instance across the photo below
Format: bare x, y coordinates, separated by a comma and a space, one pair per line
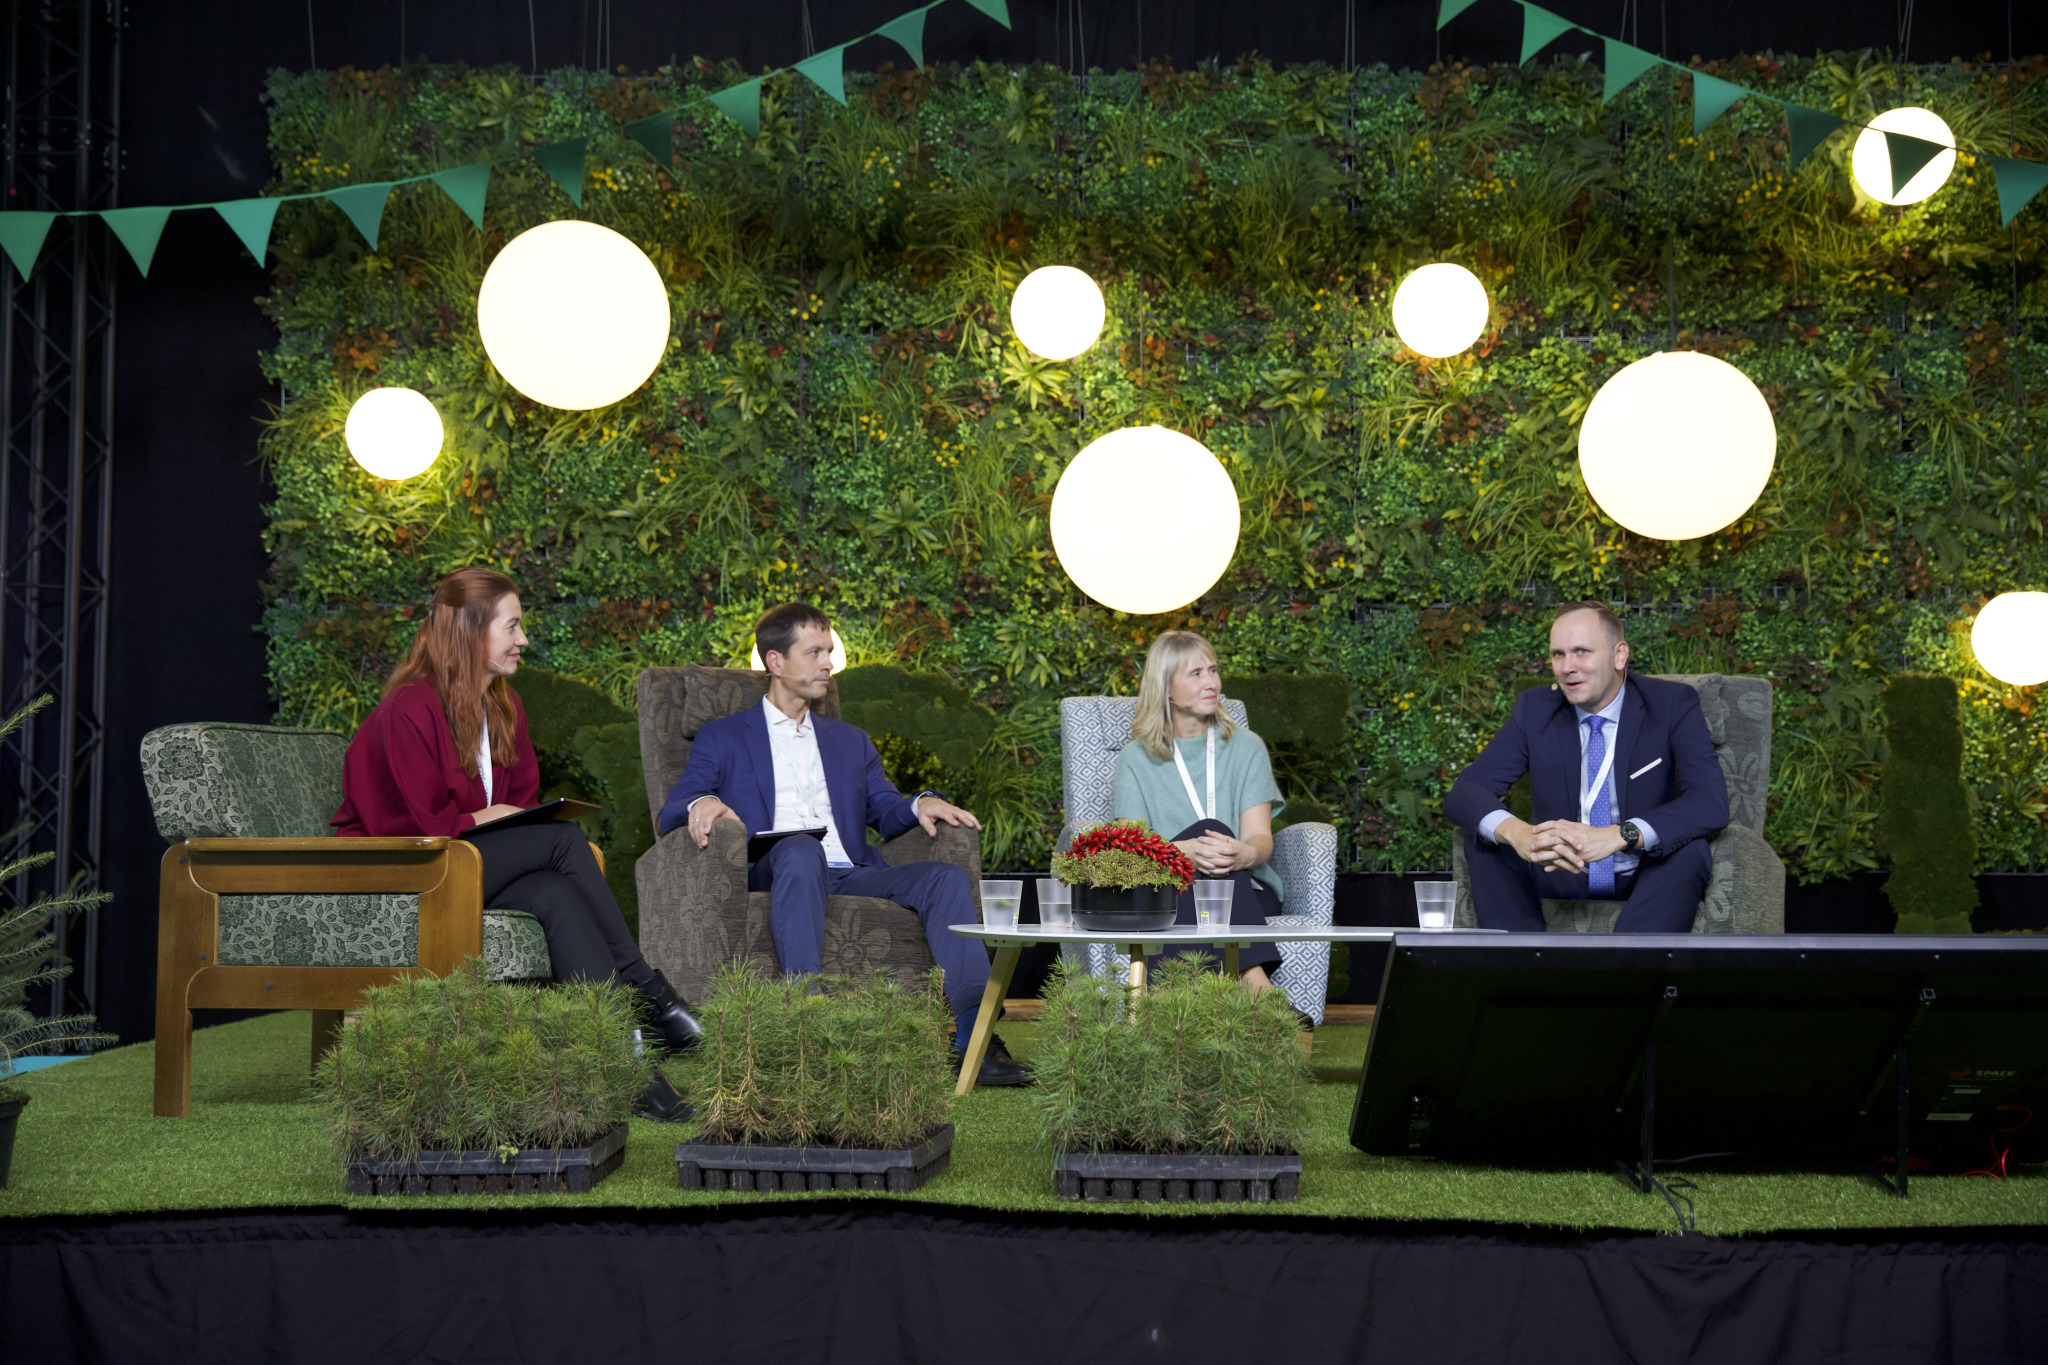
1093, 730
260, 907
1747, 893
696, 913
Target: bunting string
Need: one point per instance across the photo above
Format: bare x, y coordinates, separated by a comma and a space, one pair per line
2018, 181
23, 231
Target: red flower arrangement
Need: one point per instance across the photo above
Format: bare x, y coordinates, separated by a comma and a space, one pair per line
1123, 855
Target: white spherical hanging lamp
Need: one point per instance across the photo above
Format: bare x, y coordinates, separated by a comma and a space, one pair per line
1677, 445
838, 656
394, 433
1144, 520
1871, 161
1057, 312
573, 315
2010, 638
1440, 310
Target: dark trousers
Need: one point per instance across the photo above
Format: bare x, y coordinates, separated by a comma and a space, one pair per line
1663, 894
549, 872
1249, 904
797, 882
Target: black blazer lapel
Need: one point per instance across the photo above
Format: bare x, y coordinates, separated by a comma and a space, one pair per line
1634, 714
1560, 757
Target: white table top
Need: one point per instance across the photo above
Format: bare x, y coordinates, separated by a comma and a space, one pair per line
1155, 939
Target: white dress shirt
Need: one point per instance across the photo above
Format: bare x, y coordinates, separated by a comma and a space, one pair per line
1624, 861
802, 800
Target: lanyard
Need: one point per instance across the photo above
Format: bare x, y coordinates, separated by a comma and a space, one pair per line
483, 756
1189, 782
1587, 796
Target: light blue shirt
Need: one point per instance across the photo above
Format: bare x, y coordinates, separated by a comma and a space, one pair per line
1611, 713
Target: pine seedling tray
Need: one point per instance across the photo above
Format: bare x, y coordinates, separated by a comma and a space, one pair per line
706, 1166
536, 1170
1201, 1178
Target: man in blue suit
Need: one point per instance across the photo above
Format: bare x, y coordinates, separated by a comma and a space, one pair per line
1626, 790
780, 766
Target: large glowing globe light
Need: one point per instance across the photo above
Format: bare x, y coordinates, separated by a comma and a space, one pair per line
2010, 638
393, 433
838, 656
1144, 520
1440, 309
1871, 161
1057, 312
1677, 445
573, 315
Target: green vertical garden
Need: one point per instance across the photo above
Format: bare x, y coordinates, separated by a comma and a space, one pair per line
844, 416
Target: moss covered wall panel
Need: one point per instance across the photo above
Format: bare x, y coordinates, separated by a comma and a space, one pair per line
844, 416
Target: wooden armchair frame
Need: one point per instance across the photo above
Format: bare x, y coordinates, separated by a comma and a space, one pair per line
446, 874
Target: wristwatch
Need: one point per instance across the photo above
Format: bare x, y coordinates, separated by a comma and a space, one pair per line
1631, 837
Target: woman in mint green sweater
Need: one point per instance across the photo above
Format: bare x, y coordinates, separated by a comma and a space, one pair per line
1189, 768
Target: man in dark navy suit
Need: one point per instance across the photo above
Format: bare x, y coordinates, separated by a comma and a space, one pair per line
781, 766
1626, 787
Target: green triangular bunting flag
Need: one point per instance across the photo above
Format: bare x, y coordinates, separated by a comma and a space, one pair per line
1539, 26
138, 230
1624, 64
827, 71
1711, 97
2018, 183
468, 186
742, 104
1448, 10
907, 32
1809, 128
657, 135
364, 205
251, 219
563, 161
998, 10
21, 237
1908, 155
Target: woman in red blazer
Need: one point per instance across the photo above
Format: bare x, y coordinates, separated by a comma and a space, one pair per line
446, 751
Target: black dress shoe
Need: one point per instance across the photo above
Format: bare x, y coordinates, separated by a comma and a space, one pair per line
663, 1102
670, 1013
998, 1067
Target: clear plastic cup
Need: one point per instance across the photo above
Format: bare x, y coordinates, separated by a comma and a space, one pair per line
999, 903
1055, 903
1212, 903
1435, 904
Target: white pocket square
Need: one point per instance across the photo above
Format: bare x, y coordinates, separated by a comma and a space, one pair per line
1645, 768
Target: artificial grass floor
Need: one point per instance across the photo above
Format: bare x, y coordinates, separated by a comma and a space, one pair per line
88, 1144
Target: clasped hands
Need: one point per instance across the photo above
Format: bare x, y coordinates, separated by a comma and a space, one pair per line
1218, 855
930, 810
1560, 845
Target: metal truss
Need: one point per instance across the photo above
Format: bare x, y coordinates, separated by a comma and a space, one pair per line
62, 151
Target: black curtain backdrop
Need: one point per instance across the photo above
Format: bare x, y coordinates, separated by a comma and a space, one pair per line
188, 557
842, 1280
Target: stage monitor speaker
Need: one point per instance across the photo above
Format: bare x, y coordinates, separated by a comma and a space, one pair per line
1563, 1049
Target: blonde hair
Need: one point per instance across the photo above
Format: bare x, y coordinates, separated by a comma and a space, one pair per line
1153, 725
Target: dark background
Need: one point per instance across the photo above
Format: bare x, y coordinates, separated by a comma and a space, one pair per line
188, 555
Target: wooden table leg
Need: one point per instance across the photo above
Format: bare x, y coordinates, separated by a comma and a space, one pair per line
1230, 959
1137, 969
1004, 967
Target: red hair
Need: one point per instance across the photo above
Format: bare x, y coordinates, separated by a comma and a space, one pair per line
450, 651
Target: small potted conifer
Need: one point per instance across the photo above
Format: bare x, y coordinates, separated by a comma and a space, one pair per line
1195, 1090
463, 1085
1125, 877
818, 1083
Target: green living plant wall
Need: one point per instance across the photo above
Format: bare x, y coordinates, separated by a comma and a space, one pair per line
845, 417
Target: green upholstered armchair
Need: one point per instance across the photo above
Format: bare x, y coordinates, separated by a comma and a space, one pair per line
696, 913
260, 907
1747, 892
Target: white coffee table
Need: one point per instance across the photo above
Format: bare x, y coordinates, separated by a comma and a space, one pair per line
1010, 944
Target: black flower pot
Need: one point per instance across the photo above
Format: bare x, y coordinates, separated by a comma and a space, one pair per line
1143, 910
10, 1114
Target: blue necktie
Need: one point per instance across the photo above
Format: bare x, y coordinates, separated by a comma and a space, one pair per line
1600, 875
